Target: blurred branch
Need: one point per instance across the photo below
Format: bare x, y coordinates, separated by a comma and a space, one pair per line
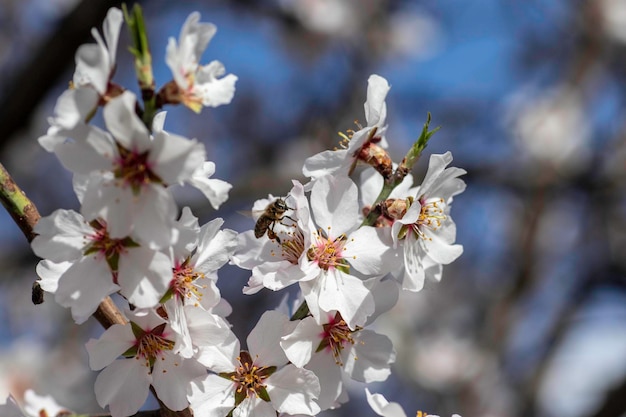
28, 86
614, 404
21, 209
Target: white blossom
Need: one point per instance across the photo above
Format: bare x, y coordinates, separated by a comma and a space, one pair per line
332, 350
95, 64
127, 172
342, 161
384, 408
198, 85
426, 231
146, 344
258, 382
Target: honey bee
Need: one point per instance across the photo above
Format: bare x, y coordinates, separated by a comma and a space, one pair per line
274, 212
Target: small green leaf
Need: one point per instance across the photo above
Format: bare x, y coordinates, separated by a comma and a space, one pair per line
262, 393
131, 352
240, 395
420, 144
167, 296
138, 332
301, 312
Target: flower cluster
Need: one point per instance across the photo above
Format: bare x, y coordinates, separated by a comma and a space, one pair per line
351, 237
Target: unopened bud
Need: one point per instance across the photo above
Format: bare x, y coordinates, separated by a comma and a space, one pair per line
377, 157
395, 208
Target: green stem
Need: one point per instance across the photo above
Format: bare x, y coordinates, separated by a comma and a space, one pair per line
21, 209
143, 61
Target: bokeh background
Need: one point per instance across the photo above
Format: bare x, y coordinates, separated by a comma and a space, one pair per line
530, 97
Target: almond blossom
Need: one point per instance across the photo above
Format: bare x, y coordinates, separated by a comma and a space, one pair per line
384, 408
88, 264
257, 382
34, 406
41, 405
196, 85
194, 275
325, 252
426, 231
341, 254
363, 144
275, 265
95, 65
332, 350
127, 172
146, 344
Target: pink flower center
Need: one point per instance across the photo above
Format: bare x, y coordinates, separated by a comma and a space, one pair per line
103, 245
151, 344
185, 283
336, 336
134, 170
327, 253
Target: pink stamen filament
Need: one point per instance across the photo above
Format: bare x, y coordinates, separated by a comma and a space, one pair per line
327, 253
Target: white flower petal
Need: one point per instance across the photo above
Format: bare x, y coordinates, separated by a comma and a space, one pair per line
40, 405
73, 106
144, 276
323, 163
83, 286
300, 344
214, 91
124, 124
61, 236
368, 359
175, 158
172, 376
414, 276
382, 407
92, 67
50, 273
123, 386
212, 396
215, 190
111, 28
215, 246
154, 212
370, 251
375, 107
294, 391
264, 340
439, 250
330, 379
334, 203
347, 295
221, 357
116, 340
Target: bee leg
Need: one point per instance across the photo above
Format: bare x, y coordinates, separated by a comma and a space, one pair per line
288, 225
272, 234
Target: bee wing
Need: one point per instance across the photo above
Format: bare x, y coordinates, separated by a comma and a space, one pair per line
255, 214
